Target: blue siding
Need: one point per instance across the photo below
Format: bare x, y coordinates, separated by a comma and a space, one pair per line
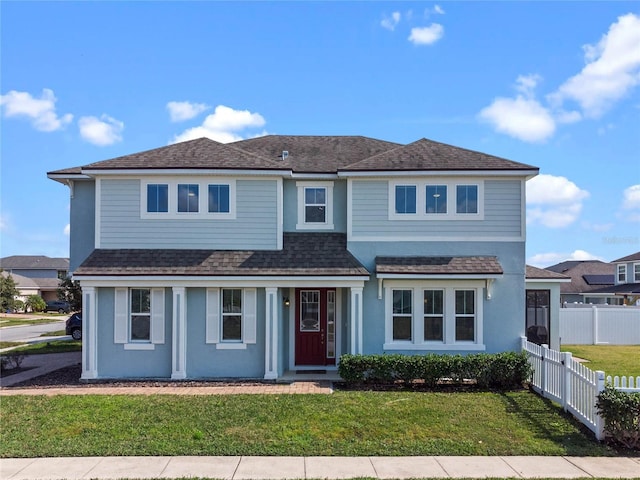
83, 226
502, 214
116, 362
254, 228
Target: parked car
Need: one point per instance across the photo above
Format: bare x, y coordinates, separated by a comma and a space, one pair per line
58, 306
74, 326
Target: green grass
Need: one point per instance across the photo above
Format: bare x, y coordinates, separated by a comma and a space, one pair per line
14, 322
344, 423
57, 333
54, 346
612, 359
9, 344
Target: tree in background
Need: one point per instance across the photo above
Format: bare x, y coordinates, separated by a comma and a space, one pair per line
70, 291
35, 303
8, 292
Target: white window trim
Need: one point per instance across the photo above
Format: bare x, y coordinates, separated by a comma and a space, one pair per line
449, 288
421, 201
636, 273
203, 199
122, 319
214, 319
328, 223
621, 270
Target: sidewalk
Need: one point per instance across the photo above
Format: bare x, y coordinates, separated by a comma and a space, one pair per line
241, 468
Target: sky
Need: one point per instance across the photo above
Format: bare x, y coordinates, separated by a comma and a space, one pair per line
550, 84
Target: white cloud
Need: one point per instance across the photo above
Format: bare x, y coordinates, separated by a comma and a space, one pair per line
426, 35
101, 131
551, 258
41, 111
67, 229
631, 198
438, 9
612, 69
526, 84
522, 118
391, 21
181, 111
224, 125
554, 202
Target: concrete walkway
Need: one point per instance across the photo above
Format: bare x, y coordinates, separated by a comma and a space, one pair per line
237, 468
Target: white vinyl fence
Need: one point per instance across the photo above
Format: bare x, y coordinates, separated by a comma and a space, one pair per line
557, 376
593, 325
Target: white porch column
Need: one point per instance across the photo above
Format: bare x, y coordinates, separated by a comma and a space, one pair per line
89, 333
179, 335
271, 334
356, 320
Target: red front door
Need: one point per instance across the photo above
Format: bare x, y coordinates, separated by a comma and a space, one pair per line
315, 326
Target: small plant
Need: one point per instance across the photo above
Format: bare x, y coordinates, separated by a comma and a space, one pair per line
621, 413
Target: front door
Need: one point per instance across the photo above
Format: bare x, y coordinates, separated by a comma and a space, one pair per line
315, 326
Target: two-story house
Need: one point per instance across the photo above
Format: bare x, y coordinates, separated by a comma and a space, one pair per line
626, 288
280, 253
36, 274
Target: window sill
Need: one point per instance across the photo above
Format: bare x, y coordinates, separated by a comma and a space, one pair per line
435, 346
139, 346
231, 346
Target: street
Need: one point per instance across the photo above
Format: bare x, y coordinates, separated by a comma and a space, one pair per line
30, 332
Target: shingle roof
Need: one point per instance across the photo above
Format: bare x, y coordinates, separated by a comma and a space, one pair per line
306, 154
429, 155
576, 270
315, 154
543, 274
303, 254
438, 265
634, 257
34, 262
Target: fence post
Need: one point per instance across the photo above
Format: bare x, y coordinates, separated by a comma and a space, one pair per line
599, 420
567, 360
594, 318
543, 373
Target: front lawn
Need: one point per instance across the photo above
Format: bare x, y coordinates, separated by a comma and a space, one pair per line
612, 359
344, 423
54, 346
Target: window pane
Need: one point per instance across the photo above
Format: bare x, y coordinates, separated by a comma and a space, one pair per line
402, 301
405, 199
636, 269
219, 198
232, 327
187, 198
433, 328
232, 300
467, 199
465, 302
157, 198
464, 329
314, 214
433, 302
402, 328
436, 199
310, 311
140, 300
140, 327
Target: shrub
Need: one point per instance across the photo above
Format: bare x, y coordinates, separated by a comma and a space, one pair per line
501, 370
35, 303
621, 413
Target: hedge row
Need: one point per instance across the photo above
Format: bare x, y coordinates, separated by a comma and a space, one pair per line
500, 370
621, 413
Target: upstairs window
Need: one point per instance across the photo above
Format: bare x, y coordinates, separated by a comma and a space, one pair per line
405, 199
157, 198
467, 199
636, 272
219, 198
622, 274
188, 198
315, 205
436, 199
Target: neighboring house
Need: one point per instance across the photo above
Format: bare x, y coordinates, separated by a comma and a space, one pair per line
626, 289
542, 314
36, 274
587, 277
280, 253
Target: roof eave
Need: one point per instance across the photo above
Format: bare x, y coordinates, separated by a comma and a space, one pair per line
449, 172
